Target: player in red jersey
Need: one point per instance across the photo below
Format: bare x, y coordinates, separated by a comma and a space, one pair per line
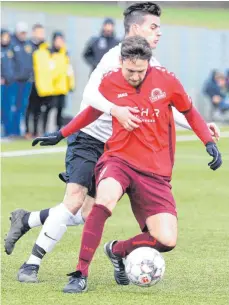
140, 162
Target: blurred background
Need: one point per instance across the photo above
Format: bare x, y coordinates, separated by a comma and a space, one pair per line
48, 50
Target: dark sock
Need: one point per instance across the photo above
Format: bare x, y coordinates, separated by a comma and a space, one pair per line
92, 234
44, 215
25, 221
123, 248
38, 251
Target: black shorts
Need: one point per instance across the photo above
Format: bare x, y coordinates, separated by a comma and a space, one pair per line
82, 155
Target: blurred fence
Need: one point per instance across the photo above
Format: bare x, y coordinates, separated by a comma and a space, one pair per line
189, 52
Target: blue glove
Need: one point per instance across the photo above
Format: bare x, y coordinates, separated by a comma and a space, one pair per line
214, 152
51, 139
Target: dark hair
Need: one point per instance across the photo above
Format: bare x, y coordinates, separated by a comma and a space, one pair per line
136, 12
108, 21
37, 26
57, 34
4, 31
135, 47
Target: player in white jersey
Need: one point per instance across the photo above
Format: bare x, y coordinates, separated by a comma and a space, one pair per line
85, 148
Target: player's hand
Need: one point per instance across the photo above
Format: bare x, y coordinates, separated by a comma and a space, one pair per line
51, 139
214, 152
214, 130
125, 116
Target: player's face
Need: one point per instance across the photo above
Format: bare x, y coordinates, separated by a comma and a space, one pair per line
134, 71
149, 29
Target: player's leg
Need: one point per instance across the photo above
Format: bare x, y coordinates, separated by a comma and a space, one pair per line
51, 232
21, 221
161, 235
80, 170
154, 208
34, 219
112, 182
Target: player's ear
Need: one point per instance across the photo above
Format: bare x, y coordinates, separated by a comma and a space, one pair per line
134, 29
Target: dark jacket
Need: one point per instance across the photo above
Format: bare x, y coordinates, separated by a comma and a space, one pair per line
97, 47
34, 45
22, 59
211, 88
7, 63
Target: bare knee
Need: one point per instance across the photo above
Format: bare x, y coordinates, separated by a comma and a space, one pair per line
163, 227
168, 239
74, 197
108, 193
106, 199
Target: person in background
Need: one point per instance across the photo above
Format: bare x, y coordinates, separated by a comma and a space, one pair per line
63, 80
23, 70
223, 92
7, 86
98, 46
227, 78
38, 36
42, 88
217, 91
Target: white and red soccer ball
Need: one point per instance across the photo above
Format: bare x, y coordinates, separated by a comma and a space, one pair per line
145, 267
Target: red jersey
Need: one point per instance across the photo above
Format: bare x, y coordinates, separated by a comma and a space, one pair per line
151, 147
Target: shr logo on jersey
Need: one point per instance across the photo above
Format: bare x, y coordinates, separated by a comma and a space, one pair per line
157, 94
144, 112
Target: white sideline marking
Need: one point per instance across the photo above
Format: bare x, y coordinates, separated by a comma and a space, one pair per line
186, 138
30, 152
184, 156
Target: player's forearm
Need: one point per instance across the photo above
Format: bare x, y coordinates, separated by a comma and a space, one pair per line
84, 118
180, 119
198, 125
94, 98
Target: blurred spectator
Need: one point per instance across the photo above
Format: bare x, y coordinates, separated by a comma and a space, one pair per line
22, 73
38, 36
42, 87
63, 80
98, 46
227, 77
217, 90
7, 78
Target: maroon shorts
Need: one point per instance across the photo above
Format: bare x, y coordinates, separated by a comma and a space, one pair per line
149, 195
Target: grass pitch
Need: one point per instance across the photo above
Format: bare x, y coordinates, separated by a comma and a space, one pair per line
195, 17
197, 271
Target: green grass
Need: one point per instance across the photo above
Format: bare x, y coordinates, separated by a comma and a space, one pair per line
202, 17
197, 271
25, 145
22, 144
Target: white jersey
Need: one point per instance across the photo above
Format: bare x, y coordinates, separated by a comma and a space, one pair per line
101, 129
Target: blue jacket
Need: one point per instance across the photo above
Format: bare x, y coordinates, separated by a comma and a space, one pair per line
7, 63
23, 63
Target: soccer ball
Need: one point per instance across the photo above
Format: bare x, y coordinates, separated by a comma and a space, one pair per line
145, 266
